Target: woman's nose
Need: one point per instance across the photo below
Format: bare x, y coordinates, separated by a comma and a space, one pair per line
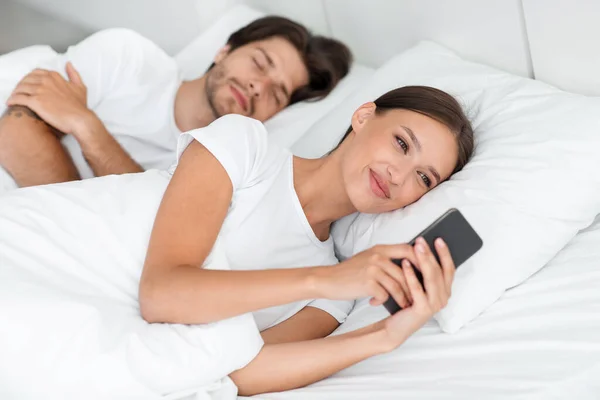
398, 174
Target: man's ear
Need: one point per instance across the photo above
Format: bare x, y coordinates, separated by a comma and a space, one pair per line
362, 115
223, 52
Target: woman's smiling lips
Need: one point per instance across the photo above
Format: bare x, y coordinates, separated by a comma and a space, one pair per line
378, 185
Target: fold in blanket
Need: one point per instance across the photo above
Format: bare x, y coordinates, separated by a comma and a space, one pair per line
71, 257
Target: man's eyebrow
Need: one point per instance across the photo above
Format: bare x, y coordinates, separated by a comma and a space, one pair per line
272, 65
269, 59
285, 91
412, 136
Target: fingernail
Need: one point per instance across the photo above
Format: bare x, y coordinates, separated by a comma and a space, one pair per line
405, 264
419, 247
440, 242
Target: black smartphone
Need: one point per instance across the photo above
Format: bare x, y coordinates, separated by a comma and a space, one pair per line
457, 233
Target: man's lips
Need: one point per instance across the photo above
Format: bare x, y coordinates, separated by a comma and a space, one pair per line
378, 186
240, 98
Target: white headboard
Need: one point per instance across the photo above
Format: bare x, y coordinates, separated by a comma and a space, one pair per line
551, 40
564, 37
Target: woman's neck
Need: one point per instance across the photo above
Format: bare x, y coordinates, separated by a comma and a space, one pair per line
321, 191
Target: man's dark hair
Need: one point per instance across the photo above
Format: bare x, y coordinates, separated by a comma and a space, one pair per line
327, 60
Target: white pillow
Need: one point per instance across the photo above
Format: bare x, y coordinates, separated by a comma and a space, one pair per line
16, 64
289, 125
533, 182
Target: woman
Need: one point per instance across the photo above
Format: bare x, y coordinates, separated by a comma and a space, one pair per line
273, 213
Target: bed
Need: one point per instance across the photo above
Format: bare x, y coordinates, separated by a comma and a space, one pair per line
541, 340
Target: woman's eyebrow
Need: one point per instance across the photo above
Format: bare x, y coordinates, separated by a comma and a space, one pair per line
417, 144
412, 137
435, 174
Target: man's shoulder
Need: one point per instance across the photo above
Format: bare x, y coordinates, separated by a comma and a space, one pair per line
128, 45
120, 37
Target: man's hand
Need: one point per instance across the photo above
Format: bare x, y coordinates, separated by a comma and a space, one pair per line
60, 103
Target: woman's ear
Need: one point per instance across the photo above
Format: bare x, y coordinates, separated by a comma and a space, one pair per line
222, 53
362, 115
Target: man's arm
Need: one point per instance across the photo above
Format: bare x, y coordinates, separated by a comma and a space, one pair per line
30, 149
102, 152
62, 104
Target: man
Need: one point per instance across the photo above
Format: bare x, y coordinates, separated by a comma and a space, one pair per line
121, 105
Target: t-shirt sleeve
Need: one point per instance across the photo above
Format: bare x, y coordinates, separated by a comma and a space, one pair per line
338, 309
113, 61
239, 143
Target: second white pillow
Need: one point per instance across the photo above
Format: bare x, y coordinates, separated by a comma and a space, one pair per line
532, 184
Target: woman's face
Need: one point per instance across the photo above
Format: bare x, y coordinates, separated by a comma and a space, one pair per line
395, 157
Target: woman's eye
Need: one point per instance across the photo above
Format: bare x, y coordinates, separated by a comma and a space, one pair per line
402, 144
425, 179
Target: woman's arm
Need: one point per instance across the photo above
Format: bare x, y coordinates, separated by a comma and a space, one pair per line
309, 323
175, 288
287, 366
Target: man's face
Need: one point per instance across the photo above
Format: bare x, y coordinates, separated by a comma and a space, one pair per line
255, 80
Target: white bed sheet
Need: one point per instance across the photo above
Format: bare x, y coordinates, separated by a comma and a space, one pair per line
541, 340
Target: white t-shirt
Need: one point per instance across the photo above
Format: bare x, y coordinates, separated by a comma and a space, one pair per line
131, 86
265, 227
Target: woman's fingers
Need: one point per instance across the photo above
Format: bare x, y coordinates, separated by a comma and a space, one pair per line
396, 251
391, 280
416, 290
432, 274
396, 273
448, 268
393, 287
378, 293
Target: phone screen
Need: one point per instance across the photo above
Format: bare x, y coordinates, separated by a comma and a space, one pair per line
462, 240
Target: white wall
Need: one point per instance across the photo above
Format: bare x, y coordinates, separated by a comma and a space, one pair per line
565, 45
21, 26
487, 31
171, 24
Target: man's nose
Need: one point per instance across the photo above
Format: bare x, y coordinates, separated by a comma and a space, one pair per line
259, 85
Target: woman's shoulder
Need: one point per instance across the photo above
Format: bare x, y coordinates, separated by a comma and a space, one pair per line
240, 144
238, 124
234, 131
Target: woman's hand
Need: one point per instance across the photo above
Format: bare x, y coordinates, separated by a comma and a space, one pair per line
369, 273
425, 302
285, 366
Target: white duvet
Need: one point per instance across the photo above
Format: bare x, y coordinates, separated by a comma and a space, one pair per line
71, 256
540, 341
